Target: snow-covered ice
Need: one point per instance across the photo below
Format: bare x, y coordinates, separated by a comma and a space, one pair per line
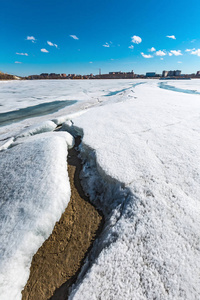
187, 85
147, 169
21, 94
39, 128
18, 95
140, 150
35, 191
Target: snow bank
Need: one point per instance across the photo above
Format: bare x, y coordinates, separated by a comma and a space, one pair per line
5, 144
142, 169
35, 190
38, 128
67, 137
63, 119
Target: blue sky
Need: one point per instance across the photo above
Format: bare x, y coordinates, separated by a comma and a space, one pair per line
82, 36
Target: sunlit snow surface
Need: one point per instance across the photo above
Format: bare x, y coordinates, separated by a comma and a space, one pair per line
151, 145
141, 149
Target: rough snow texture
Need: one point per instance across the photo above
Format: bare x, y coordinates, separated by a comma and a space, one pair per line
140, 150
144, 155
39, 128
67, 137
43, 129
33, 174
35, 191
63, 119
5, 144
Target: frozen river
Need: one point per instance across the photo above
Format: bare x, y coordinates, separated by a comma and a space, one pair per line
141, 168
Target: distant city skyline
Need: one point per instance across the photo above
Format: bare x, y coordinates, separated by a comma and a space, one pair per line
84, 36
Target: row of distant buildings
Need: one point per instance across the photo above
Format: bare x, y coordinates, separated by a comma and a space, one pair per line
176, 74
110, 75
48, 76
117, 75
59, 76
164, 74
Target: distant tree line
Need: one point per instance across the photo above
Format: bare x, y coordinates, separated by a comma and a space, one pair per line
4, 76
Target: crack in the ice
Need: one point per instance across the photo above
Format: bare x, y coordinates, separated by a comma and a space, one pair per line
102, 187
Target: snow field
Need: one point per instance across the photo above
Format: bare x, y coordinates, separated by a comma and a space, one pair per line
143, 172
34, 181
141, 167
35, 190
25, 93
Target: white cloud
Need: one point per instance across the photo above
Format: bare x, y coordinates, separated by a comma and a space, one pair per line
161, 58
176, 52
31, 38
179, 62
171, 37
18, 62
51, 44
106, 45
189, 50
160, 53
44, 50
196, 52
26, 54
74, 37
91, 62
146, 55
170, 54
152, 49
136, 39
131, 47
